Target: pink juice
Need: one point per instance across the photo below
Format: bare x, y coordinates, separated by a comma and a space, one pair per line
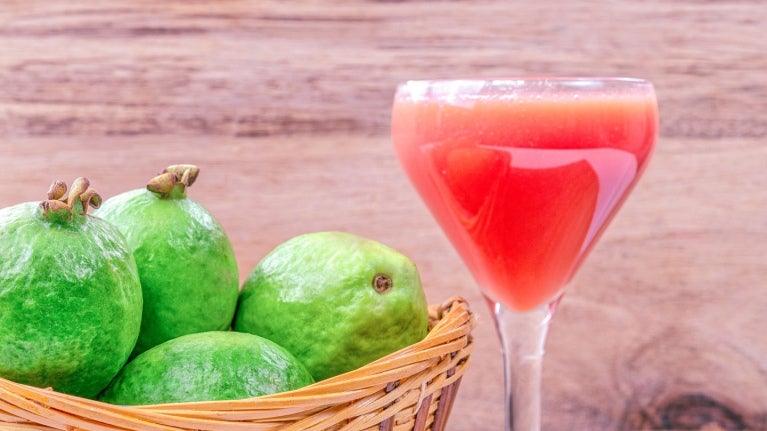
523, 186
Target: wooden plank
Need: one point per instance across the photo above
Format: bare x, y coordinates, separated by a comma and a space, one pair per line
286, 108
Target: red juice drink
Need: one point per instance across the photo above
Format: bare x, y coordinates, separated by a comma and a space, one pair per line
522, 183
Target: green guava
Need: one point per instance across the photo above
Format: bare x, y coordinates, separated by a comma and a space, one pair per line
208, 366
335, 300
70, 296
186, 263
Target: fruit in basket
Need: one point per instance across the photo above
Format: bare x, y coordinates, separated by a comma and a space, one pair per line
208, 366
335, 300
185, 261
70, 296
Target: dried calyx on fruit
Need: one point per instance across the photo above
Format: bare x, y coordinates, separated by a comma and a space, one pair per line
173, 180
61, 205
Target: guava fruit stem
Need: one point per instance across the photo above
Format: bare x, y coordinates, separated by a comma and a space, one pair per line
173, 181
61, 205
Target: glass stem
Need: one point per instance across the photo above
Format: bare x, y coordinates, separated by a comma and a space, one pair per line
523, 336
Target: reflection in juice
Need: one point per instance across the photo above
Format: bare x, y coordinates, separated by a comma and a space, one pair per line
522, 218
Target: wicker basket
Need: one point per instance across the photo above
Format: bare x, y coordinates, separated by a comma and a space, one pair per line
411, 389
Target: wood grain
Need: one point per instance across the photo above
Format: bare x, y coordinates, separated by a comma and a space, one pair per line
285, 107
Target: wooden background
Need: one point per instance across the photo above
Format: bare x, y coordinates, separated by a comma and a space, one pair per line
285, 107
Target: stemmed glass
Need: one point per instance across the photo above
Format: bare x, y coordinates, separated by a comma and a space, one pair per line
523, 176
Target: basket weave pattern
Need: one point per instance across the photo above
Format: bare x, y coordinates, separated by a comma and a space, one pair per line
411, 389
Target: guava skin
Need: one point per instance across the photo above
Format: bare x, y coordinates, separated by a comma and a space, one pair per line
70, 300
185, 261
315, 295
208, 366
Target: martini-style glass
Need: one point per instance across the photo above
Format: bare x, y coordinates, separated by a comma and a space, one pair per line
523, 175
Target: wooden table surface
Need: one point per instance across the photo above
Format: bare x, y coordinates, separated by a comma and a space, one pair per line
285, 108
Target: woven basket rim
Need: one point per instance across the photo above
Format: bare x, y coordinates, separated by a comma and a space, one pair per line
419, 380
